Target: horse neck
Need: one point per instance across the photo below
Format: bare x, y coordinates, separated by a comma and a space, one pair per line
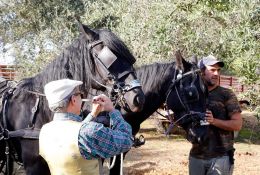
155, 86
72, 63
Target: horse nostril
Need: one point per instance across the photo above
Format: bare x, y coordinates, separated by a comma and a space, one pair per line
139, 100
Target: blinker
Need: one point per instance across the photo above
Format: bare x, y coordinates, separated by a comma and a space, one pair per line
107, 57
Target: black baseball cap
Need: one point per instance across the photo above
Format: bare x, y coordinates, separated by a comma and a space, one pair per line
209, 61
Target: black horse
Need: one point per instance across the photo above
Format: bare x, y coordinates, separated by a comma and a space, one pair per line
99, 59
179, 85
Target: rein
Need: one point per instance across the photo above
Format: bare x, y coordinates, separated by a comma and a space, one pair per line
118, 89
178, 78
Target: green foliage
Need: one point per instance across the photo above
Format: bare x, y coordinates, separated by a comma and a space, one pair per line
248, 135
220, 5
30, 24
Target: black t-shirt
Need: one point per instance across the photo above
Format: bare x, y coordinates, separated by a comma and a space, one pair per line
223, 103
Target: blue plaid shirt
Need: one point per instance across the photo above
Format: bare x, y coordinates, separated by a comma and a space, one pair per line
95, 140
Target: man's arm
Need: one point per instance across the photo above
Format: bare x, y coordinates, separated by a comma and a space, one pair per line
96, 140
234, 124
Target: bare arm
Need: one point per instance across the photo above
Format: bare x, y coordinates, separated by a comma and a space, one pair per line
234, 124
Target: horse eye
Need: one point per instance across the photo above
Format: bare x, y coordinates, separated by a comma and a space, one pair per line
122, 84
115, 86
111, 81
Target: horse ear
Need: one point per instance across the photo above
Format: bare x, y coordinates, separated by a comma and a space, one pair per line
179, 60
90, 34
181, 63
194, 59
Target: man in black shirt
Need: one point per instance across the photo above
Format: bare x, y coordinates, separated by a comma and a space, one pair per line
215, 157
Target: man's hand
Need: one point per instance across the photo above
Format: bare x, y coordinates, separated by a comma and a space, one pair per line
233, 124
209, 117
101, 103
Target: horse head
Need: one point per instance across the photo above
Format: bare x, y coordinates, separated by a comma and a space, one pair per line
180, 86
113, 68
190, 105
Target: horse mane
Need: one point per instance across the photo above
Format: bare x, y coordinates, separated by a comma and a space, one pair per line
157, 71
75, 62
116, 45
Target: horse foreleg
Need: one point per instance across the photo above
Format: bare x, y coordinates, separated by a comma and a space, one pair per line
33, 163
115, 170
39, 167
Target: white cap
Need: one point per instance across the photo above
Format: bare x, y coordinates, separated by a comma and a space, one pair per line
58, 90
209, 61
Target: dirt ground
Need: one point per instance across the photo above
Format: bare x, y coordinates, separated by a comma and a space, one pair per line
169, 156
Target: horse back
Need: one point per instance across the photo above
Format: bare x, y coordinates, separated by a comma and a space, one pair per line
5, 86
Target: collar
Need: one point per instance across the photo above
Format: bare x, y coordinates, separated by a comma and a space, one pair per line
213, 88
66, 116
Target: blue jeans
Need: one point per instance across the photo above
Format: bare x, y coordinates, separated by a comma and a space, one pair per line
214, 166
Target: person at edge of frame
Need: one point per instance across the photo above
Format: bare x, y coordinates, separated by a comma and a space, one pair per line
216, 155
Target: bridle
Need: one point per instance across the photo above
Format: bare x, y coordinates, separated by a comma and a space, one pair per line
192, 92
106, 58
118, 89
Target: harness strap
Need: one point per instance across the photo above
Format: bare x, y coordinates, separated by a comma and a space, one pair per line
5, 96
35, 93
93, 44
107, 87
113, 163
33, 110
122, 161
27, 133
7, 157
126, 72
170, 118
171, 122
178, 78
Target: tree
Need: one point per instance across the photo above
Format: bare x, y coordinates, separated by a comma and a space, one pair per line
152, 29
38, 29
